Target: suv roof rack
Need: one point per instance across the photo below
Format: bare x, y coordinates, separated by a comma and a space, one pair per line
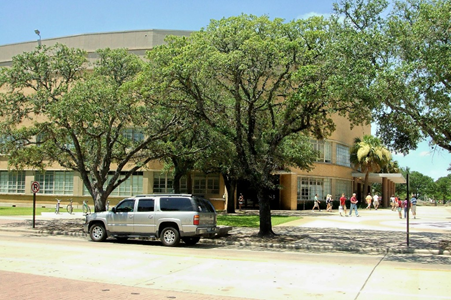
163, 195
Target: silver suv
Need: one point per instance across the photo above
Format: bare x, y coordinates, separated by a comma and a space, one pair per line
168, 217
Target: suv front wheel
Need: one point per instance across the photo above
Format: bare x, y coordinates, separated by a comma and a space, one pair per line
170, 237
97, 233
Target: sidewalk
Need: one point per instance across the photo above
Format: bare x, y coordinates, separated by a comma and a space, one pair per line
378, 231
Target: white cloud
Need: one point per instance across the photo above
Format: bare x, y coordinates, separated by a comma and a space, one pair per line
425, 153
313, 14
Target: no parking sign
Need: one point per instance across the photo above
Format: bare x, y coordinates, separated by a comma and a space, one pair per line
35, 187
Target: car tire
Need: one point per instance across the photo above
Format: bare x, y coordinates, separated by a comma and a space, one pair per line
170, 237
191, 241
97, 233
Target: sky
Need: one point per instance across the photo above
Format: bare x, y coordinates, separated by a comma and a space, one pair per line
58, 18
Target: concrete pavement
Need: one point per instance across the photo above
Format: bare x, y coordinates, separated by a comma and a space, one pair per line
378, 231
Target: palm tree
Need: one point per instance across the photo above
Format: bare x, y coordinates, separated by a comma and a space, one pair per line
369, 156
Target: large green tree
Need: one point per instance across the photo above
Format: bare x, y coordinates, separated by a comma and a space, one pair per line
55, 108
265, 85
421, 185
409, 50
443, 191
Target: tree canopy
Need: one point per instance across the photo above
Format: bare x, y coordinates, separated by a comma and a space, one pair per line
58, 109
265, 85
409, 51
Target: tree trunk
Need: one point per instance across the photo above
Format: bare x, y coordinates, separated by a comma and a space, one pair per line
230, 185
99, 201
176, 182
265, 213
365, 186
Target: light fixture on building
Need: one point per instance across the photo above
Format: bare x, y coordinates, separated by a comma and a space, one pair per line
39, 35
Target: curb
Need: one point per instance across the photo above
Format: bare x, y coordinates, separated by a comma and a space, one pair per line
326, 248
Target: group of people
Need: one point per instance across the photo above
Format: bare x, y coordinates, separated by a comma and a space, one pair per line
342, 207
396, 204
403, 206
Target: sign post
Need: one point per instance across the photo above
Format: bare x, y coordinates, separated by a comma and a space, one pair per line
34, 188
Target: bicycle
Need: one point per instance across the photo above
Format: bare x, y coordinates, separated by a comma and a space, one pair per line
58, 205
70, 208
86, 208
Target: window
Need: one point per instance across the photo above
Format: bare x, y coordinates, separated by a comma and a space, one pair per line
176, 204
134, 135
343, 156
146, 205
164, 184
127, 205
213, 185
56, 182
68, 144
203, 205
324, 149
206, 184
343, 186
12, 182
130, 187
309, 186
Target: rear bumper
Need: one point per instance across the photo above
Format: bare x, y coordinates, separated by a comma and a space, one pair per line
207, 231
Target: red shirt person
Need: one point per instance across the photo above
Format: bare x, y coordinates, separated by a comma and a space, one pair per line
354, 205
342, 205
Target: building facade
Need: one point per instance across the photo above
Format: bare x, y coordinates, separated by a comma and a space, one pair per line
332, 172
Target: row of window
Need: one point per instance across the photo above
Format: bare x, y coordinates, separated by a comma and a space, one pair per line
308, 187
324, 149
62, 183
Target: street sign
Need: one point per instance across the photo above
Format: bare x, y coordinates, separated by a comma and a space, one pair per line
35, 187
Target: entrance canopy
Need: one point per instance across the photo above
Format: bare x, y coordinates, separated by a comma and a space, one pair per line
377, 177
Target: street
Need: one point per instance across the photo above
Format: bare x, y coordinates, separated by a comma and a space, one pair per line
55, 267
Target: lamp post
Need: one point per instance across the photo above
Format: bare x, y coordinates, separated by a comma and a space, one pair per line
39, 35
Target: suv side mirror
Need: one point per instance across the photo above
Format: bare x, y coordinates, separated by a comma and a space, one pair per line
113, 209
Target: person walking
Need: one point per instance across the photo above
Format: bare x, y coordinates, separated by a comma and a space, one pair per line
316, 203
392, 202
368, 201
329, 202
240, 201
376, 201
413, 206
405, 207
342, 207
398, 206
353, 205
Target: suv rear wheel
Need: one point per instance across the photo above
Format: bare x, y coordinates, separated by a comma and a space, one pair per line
97, 233
170, 237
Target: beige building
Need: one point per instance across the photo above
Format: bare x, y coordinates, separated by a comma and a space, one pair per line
332, 173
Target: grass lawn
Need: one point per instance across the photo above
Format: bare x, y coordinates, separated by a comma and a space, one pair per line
251, 221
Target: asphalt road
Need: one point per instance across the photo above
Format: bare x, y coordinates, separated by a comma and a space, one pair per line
55, 267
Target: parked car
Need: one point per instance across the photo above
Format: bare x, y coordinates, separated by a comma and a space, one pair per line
170, 218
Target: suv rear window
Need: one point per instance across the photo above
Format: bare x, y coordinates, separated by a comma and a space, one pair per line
204, 205
176, 204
